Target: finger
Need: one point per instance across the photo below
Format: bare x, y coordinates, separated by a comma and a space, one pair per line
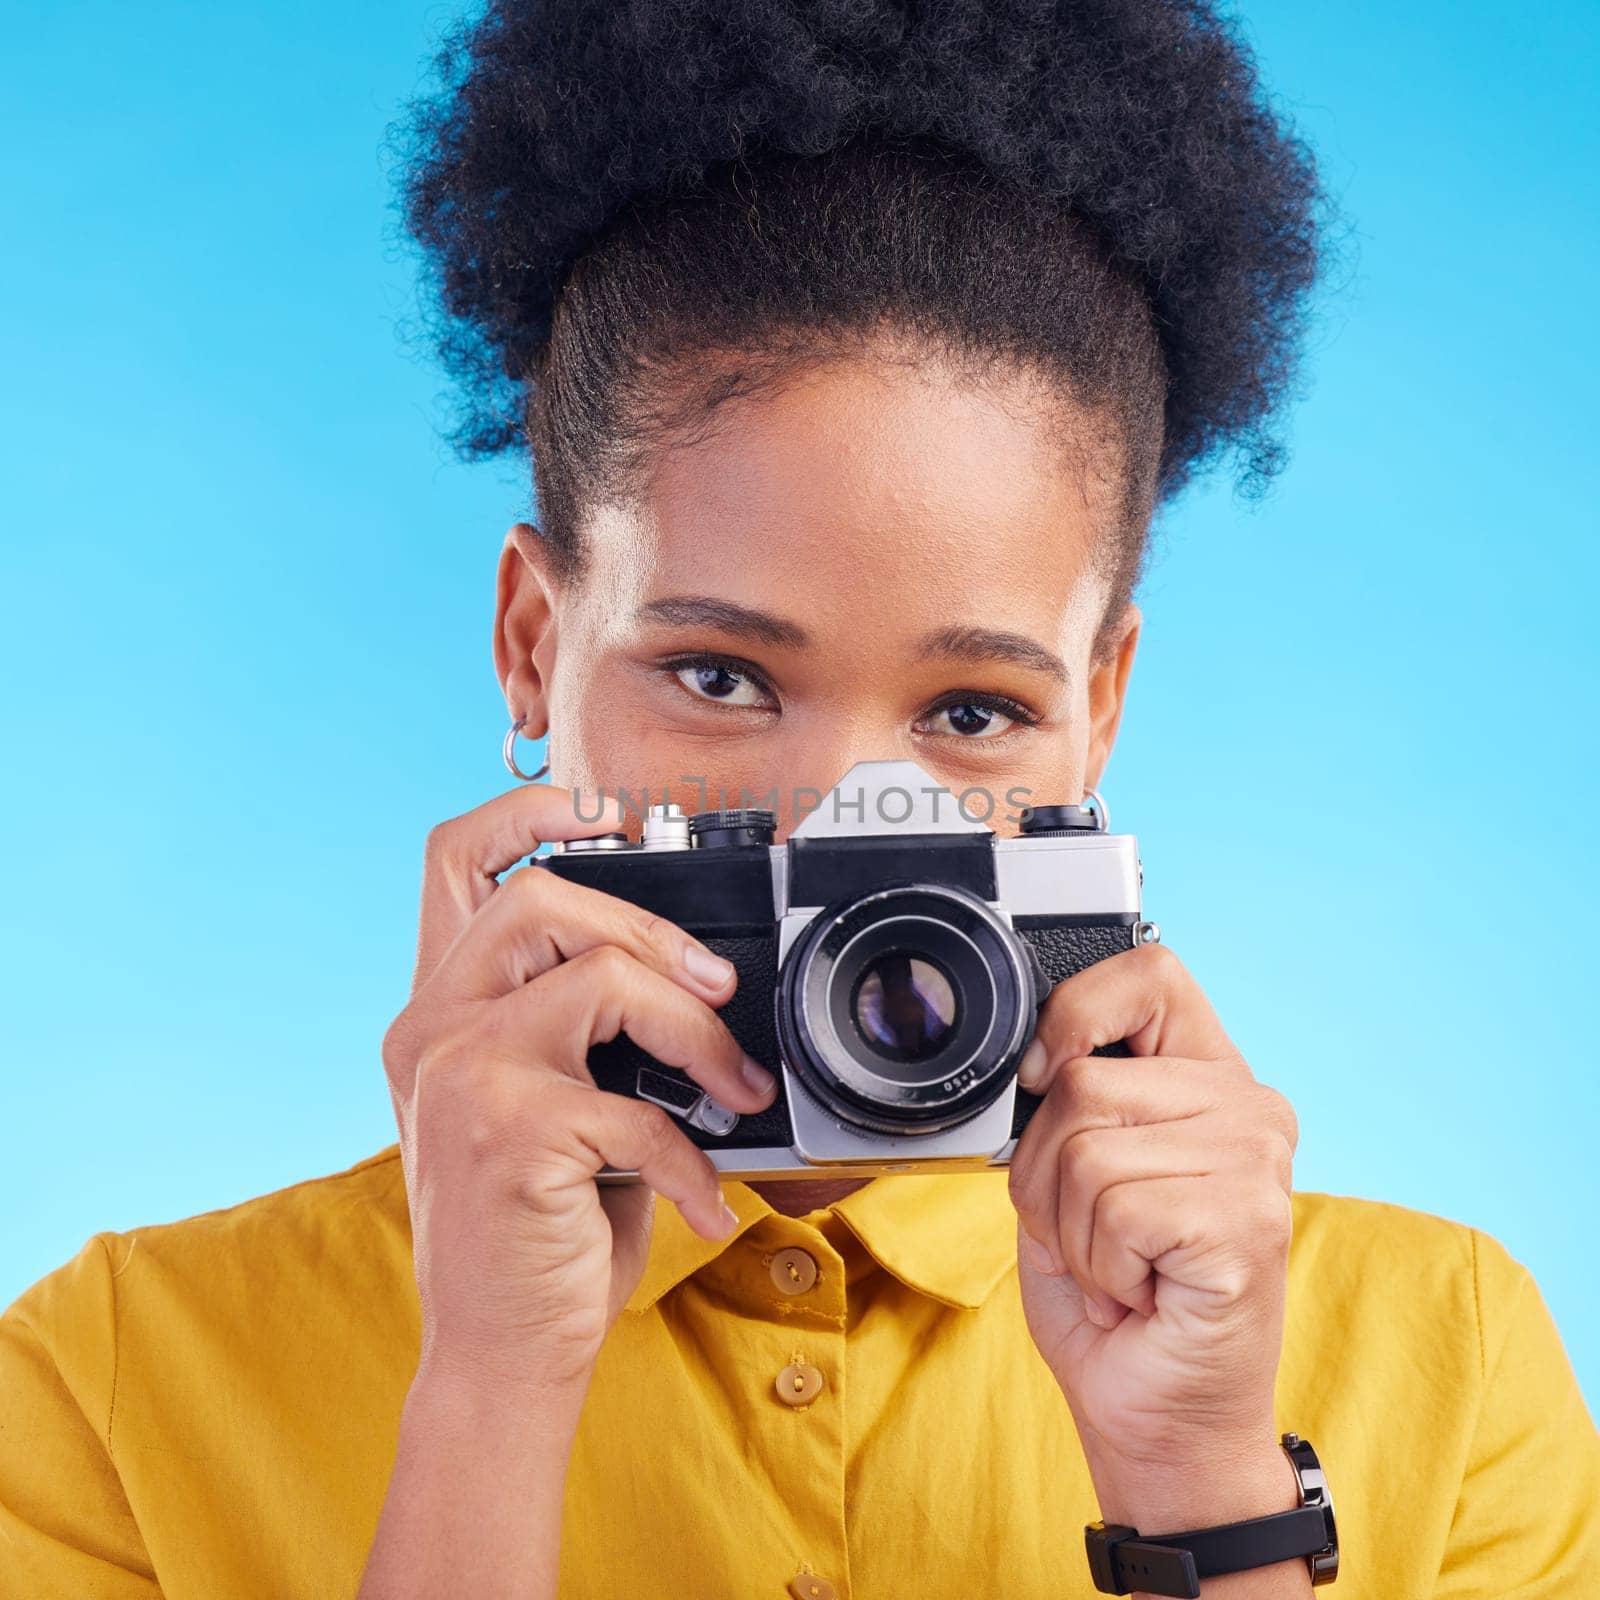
559, 1017
634, 1135
1098, 1160
1119, 1091
1054, 1220
1217, 1237
1106, 1120
537, 920
559, 1132
1034, 1182
465, 854
1108, 1125
1095, 1092
1145, 996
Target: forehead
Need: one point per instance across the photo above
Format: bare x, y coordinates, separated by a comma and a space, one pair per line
855, 482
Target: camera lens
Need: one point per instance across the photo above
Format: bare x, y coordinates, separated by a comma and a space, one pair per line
905, 1006
905, 1009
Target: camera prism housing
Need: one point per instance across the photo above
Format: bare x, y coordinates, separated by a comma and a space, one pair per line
892, 955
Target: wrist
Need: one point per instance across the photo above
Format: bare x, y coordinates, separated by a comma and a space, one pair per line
477, 1488
1207, 1483
480, 1408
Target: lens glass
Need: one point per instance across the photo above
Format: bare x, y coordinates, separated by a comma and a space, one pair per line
904, 1006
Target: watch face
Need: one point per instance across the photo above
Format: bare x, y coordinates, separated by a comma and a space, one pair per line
1314, 1491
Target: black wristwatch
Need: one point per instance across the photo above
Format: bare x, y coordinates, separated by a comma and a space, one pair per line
1122, 1561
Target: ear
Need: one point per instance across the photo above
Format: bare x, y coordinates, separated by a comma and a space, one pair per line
525, 627
1108, 686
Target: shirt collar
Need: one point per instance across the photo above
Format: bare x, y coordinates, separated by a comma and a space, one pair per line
951, 1235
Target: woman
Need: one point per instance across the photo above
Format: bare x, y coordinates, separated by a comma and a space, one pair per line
856, 348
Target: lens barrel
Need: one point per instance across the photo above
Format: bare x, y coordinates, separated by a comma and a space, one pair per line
905, 1010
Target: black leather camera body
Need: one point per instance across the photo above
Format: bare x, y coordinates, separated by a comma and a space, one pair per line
892, 955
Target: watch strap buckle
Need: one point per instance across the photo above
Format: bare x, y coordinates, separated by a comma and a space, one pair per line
1117, 1553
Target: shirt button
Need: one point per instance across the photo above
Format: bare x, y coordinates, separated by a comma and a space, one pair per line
794, 1271
798, 1383
808, 1586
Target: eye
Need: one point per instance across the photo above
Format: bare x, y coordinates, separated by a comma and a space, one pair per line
714, 678
978, 717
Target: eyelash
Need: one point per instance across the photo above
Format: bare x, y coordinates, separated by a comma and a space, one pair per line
1004, 704
726, 663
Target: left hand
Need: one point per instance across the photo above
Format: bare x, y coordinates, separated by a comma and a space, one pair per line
1160, 1185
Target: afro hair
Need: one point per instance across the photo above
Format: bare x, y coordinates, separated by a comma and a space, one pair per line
602, 188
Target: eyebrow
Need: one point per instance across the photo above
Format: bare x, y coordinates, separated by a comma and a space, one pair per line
766, 627
702, 611
992, 644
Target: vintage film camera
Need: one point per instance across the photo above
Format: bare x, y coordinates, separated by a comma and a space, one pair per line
892, 955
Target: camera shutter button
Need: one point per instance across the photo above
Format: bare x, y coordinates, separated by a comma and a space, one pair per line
793, 1270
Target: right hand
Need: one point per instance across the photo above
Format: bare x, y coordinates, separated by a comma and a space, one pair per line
522, 1260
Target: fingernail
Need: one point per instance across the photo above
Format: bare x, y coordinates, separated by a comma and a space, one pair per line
756, 1075
730, 1219
1032, 1064
709, 969
1038, 1255
1093, 1313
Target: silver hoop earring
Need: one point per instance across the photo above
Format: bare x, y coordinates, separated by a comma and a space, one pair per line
508, 752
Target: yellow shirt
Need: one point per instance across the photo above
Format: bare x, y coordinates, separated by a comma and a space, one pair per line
208, 1410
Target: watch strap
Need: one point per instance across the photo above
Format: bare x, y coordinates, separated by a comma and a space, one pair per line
1121, 1560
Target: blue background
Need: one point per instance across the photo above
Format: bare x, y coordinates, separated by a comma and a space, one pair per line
247, 597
